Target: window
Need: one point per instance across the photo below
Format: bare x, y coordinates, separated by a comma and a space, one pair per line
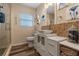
26, 20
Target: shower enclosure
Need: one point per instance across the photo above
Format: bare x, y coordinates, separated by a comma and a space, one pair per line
4, 27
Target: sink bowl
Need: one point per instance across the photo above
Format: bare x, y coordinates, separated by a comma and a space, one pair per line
51, 35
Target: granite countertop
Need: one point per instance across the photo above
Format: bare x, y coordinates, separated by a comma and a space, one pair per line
57, 38
70, 44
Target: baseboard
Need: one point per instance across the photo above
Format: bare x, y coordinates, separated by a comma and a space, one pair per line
19, 43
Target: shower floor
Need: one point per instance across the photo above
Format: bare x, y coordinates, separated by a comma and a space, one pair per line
23, 50
2, 50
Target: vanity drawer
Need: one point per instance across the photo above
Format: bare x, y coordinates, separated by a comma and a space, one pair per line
66, 51
52, 49
43, 52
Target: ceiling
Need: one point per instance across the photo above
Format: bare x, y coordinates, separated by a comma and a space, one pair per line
33, 5
50, 9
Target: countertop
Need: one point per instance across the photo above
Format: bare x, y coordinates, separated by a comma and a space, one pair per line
57, 38
70, 44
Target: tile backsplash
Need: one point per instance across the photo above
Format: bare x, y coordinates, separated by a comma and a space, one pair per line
62, 29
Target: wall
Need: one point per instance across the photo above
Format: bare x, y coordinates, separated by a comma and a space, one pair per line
61, 26
62, 29
18, 33
63, 15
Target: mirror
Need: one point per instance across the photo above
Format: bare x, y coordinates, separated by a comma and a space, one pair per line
47, 15
50, 13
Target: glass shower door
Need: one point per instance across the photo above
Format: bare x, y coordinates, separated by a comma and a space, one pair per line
5, 28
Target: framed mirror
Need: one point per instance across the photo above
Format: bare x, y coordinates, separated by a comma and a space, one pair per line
47, 14
50, 13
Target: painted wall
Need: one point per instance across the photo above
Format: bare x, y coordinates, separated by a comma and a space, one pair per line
18, 33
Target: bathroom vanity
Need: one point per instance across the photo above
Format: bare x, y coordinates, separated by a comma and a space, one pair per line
69, 49
47, 44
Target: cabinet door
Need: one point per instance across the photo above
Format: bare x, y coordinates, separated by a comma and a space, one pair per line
35, 44
52, 47
43, 52
67, 51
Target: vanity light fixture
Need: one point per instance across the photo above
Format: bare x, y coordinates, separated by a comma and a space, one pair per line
49, 4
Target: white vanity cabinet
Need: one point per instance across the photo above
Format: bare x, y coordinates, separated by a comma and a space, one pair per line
47, 46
